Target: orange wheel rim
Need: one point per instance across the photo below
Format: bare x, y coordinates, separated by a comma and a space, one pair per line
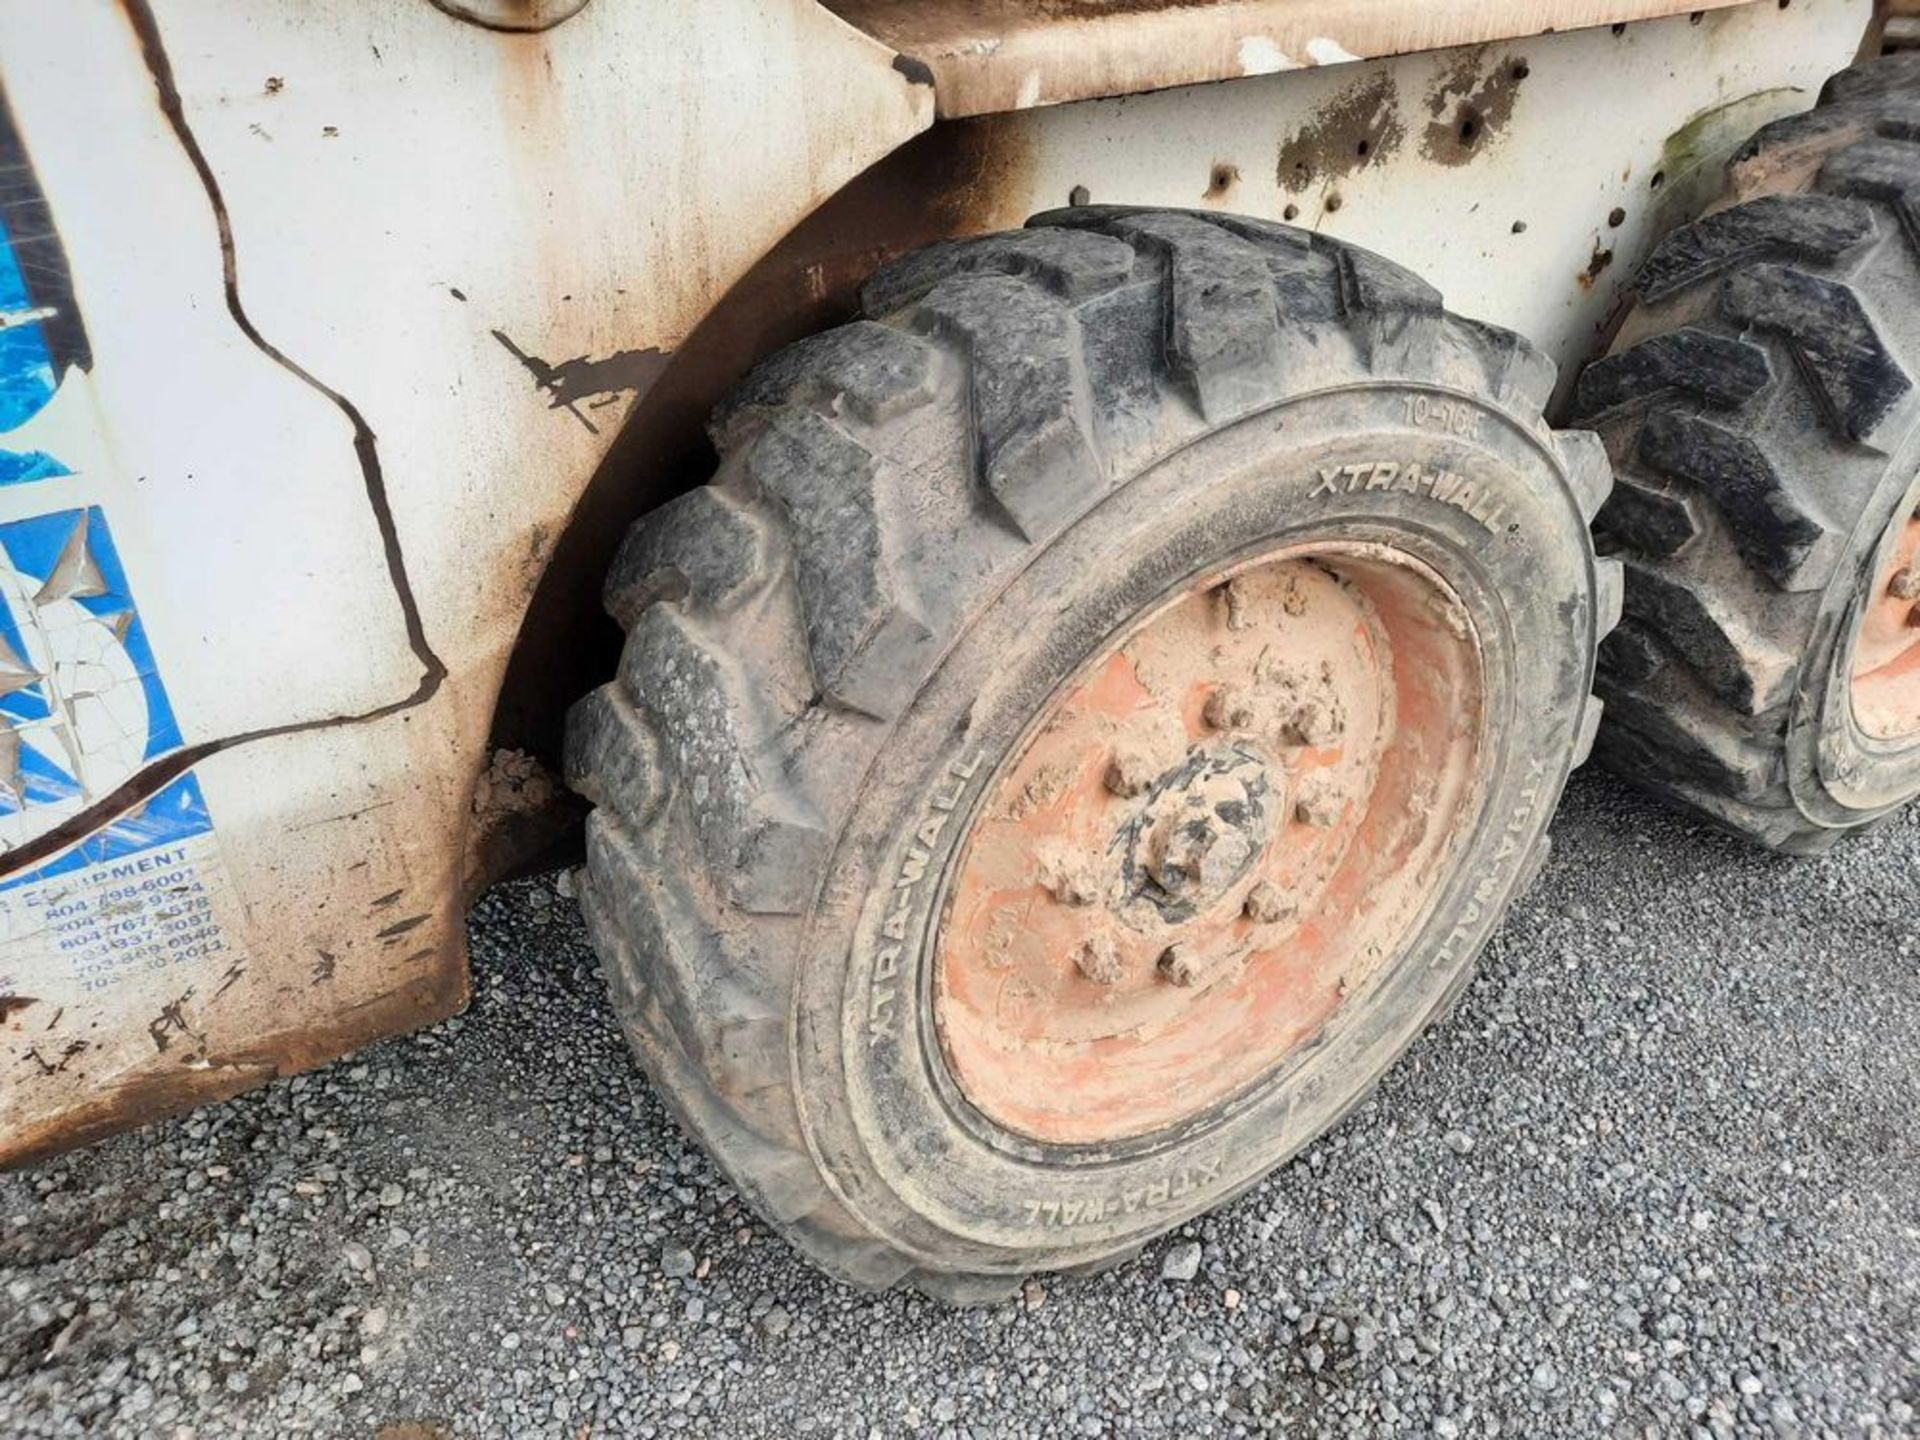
1214, 837
1886, 650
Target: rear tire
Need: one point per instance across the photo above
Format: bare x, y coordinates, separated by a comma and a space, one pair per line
1760, 411
923, 526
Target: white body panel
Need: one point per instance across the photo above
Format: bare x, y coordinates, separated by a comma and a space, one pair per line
406, 194
1582, 135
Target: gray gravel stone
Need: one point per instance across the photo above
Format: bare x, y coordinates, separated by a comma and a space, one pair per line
1182, 1260
1667, 1139
676, 1262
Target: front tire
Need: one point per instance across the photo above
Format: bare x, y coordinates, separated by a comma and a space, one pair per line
935, 536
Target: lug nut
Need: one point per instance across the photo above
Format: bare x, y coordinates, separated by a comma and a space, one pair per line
1311, 724
1068, 878
1180, 964
1905, 584
1129, 772
1099, 961
1228, 709
1317, 807
1233, 593
1267, 904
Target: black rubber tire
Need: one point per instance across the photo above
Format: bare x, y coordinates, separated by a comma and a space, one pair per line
1759, 409
921, 524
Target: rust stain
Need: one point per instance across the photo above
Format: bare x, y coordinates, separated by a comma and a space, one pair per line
172, 1018
1360, 125
53, 1067
11, 1005
119, 1107
1596, 265
164, 1088
401, 927
1470, 106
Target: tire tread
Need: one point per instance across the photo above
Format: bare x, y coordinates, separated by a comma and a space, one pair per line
1742, 482
777, 618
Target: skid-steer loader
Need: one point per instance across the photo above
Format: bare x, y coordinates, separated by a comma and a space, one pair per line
1092, 639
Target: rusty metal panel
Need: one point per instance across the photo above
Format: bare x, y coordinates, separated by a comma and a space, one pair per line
359, 297
1482, 169
985, 56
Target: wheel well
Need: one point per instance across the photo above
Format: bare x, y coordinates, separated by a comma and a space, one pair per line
959, 178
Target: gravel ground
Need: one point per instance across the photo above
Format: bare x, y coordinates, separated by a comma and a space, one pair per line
1658, 1175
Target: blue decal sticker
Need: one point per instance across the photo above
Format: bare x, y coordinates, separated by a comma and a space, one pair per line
27, 380
40, 332
177, 813
82, 707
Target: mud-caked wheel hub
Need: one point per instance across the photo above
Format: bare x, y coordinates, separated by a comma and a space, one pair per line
1209, 841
